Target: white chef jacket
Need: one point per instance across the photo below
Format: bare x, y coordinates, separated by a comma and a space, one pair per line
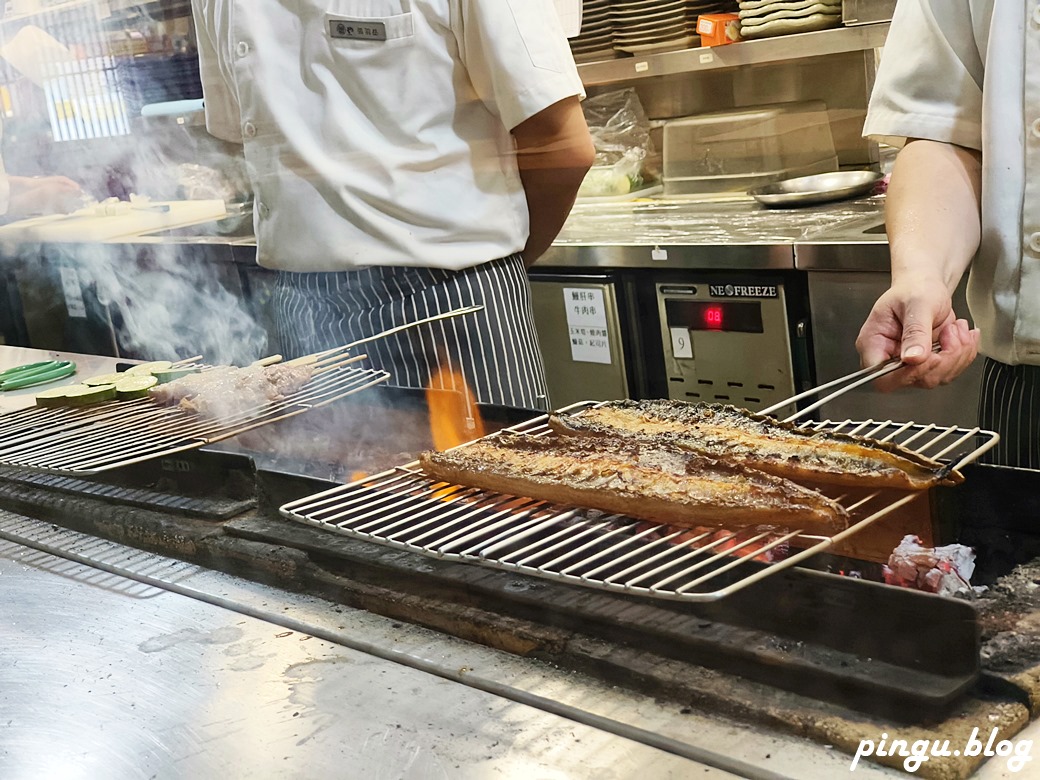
967, 72
376, 132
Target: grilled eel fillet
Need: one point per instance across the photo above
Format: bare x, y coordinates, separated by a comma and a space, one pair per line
674, 487
782, 449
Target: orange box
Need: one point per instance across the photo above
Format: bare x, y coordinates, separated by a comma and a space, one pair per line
718, 29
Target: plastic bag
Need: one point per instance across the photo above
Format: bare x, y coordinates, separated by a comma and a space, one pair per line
621, 133
199, 182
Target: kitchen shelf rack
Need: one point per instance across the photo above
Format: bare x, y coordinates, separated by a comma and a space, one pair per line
781, 48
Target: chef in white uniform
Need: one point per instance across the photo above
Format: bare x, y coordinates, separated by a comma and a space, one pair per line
959, 84
407, 157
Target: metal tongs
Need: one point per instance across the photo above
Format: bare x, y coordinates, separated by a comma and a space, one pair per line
845, 383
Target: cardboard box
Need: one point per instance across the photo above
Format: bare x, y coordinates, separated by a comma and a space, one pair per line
718, 29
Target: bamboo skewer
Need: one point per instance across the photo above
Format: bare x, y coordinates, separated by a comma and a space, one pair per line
337, 362
322, 358
166, 430
270, 360
317, 356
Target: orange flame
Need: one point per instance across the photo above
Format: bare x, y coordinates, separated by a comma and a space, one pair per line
454, 417
357, 476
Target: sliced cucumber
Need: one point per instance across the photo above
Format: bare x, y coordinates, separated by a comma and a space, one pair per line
150, 368
104, 379
55, 396
83, 395
135, 386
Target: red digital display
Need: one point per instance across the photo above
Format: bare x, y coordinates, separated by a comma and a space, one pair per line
718, 316
713, 317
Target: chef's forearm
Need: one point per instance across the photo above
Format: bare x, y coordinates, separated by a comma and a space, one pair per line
933, 213
550, 196
554, 152
42, 194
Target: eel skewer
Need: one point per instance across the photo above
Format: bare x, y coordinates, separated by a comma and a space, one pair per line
676, 487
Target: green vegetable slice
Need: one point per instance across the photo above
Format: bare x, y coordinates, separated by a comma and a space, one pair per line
150, 368
82, 395
55, 396
103, 379
135, 386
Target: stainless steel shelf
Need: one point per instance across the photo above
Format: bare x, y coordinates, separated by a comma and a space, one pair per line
785, 47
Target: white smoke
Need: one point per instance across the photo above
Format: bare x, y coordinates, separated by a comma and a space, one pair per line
165, 301
171, 305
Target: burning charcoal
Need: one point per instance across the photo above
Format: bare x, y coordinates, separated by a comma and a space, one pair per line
725, 541
943, 570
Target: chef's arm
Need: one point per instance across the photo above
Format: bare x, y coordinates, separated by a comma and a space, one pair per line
933, 216
933, 213
554, 152
42, 195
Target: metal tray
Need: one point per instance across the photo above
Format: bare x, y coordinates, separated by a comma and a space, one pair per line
821, 188
407, 509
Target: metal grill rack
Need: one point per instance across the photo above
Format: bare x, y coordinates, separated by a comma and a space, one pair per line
405, 508
96, 438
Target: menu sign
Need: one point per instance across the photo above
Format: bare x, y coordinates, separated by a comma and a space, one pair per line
587, 322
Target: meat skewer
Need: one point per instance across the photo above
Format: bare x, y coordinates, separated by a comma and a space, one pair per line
225, 391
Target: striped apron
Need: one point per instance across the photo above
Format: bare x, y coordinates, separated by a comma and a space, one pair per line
1009, 404
496, 349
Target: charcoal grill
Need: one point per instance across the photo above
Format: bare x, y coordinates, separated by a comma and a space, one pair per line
405, 508
820, 635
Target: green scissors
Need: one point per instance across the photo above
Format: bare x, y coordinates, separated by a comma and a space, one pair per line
35, 374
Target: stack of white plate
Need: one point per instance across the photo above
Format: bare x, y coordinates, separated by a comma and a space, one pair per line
596, 39
766, 18
695, 8
651, 25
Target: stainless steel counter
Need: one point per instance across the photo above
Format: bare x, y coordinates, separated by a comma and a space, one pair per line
677, 221
102, 676
730, 233
727, 234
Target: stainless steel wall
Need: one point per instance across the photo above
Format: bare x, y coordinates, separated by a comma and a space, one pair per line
839, 302
842, 81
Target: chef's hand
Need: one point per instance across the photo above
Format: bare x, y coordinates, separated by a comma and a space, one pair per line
905, 322
43, 195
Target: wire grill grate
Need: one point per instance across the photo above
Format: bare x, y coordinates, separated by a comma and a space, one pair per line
97, 438
405, 508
